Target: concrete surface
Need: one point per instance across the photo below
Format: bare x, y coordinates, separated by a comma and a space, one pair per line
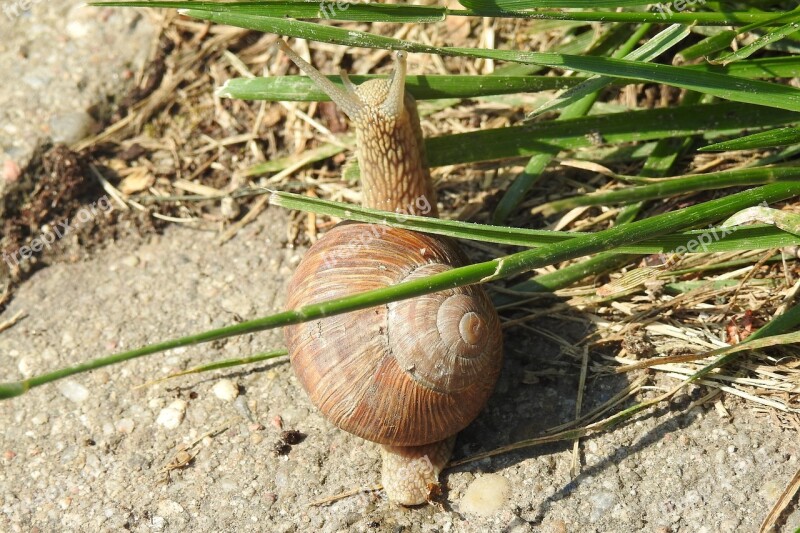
87, 454
61, 64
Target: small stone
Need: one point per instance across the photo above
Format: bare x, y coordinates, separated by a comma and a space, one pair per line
169, 507
771, 490
25, 367
172, 415
226, 390
125, 425
70, 128
73, 391
40, 419
228, 208
130, 260
11, 171
601, 502
229, 484
486, 495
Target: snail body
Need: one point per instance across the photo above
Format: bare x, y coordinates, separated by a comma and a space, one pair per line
407, 375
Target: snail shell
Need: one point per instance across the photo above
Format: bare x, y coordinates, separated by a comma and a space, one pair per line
410, 374
405, 374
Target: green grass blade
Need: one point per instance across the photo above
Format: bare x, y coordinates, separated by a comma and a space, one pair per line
628, 234
710, 240
654, 47
643, 125
379, 12
666, 187
355, 11
535, 139
764, 139
707, 47
302, 89
518, 5
739, 90
489, 8
765, 40
217, 365
764, 67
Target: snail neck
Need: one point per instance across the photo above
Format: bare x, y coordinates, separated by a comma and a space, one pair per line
391, 156
391, 152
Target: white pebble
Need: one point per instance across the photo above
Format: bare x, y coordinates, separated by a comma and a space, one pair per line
25, 367
169, 507
125, 425
73, 391
486, 495
226, 390
172, 415
40, 419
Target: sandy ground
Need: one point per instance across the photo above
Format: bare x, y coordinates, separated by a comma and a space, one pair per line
87, 454
63, 66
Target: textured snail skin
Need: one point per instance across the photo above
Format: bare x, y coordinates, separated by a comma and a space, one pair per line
411, 374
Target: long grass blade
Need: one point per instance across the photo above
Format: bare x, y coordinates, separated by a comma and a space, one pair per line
666, 187
302, 89
634, 232
654, 47
708, 240
739, 90
764, 139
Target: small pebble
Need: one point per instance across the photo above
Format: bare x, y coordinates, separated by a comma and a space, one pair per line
130, 260
172, 415
125, 425
11, 171
228, 208
486, 495
226, 390
73, 391
169, 507
40, 419
602, 501
70, 128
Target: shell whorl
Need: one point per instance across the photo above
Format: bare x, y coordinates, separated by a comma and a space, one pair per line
405, 374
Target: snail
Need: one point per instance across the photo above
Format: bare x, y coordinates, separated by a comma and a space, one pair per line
411, 374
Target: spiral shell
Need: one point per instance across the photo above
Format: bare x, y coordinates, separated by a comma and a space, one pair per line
408, 373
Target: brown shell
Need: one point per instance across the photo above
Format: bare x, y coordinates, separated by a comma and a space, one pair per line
388, 374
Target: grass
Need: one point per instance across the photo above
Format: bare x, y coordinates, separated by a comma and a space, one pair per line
643, 98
